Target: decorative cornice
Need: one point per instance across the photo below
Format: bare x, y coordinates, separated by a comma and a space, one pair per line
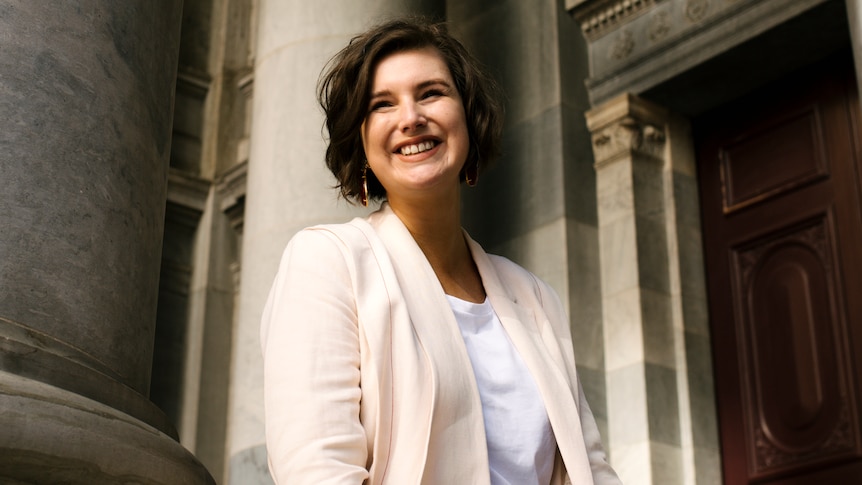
601, 16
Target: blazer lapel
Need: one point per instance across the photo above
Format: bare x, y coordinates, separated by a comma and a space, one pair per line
525, 332
456, 421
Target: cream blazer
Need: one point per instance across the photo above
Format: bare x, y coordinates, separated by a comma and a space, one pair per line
366, 376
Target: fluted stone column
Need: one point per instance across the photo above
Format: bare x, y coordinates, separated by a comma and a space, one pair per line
86, 91
288, 185
661, 415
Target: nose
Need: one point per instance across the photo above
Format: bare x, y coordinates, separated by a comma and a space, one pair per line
412, 117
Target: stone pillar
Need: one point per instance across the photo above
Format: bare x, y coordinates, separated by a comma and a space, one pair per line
86, 93
662, 425
288, 184
854, 18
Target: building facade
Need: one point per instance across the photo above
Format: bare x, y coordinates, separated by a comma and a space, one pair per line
685, 173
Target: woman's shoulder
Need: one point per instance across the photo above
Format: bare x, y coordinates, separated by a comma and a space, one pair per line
515, 276
327, 238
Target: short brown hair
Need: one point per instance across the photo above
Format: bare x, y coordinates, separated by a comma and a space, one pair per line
345, 87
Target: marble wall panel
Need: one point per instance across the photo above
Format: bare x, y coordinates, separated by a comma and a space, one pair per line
614, 191
666, 464
663, 403
524, 189
652, 254
707, 464
543, 251
648, 183
631, 461
585, 297
628, 413
701, 391
518, 41
619, 256
579, 174
623, 330
658, 329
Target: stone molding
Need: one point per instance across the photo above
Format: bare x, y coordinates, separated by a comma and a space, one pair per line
231, 189
245, 84
54, 435
39, 357
192, 82
625, 125
187, 190
600, 17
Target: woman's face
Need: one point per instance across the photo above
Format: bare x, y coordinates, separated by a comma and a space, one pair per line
415, 134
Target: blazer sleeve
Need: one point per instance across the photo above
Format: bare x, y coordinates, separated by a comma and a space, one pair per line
601, 470
310, 343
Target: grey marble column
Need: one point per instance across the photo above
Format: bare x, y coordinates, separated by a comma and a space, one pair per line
86, 96
288, 185
662, 426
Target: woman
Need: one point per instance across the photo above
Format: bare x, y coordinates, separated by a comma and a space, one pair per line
395, 349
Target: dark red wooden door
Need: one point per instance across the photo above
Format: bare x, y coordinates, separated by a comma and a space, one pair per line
782, 223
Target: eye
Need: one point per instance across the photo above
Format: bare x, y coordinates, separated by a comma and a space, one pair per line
379, 105
432, 93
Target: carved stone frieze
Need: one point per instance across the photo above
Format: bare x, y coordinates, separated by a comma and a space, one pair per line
603, 16
635, 45
659, 26
622, 46
696, 10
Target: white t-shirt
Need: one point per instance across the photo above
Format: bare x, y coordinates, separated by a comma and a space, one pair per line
521, 444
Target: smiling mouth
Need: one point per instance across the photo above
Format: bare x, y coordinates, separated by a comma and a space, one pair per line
417, 148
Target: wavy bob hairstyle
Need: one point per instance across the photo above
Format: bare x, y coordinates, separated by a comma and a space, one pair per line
344, 92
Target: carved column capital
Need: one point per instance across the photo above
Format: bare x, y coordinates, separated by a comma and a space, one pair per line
624, 126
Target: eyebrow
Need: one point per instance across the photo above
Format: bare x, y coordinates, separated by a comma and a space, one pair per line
420, 86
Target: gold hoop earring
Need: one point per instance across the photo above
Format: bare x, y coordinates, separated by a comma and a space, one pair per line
363, 197
471, 175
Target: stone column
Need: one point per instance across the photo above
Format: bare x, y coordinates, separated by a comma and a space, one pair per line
854, 18
662, 427
288, 185
86, 91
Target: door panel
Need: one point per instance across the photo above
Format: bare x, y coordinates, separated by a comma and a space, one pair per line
782, 219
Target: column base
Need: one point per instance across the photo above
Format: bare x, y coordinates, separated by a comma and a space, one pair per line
51, 435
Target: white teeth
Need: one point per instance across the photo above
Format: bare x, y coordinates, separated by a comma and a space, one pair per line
418, 148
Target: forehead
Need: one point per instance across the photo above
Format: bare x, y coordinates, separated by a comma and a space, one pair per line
408, 67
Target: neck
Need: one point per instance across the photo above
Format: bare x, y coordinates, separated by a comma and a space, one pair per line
436, 227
